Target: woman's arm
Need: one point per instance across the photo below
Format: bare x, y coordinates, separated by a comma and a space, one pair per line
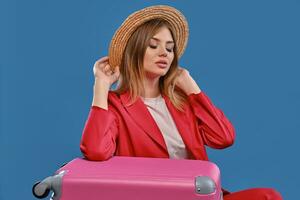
99, 136
216, 130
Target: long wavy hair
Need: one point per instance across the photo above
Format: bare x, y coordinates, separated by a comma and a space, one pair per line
132, 70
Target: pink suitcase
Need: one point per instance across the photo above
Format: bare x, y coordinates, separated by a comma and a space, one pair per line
133, 178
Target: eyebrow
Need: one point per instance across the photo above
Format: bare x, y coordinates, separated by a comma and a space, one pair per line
159, 40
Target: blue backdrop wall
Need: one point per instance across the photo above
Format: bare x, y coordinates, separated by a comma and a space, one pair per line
244, 54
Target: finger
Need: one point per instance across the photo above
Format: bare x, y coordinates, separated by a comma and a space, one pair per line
109, 72
117, 71
101, 62
107, 68
102, 65
103, 59
179, 71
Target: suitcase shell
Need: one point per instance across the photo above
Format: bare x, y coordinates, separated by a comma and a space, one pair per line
138, 178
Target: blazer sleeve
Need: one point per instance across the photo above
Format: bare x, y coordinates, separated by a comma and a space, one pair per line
215, 129
99, 135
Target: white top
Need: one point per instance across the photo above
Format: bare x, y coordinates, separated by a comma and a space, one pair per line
159, 111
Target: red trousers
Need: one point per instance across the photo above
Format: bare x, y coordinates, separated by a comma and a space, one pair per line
254, 194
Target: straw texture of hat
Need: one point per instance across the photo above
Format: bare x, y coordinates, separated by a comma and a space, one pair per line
133, 21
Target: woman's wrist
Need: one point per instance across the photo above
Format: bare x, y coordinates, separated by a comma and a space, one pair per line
101, 83
192, 88
101, 89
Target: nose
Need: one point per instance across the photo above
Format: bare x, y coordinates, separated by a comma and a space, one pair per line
163, 52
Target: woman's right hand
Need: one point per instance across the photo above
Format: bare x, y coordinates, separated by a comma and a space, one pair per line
104, 72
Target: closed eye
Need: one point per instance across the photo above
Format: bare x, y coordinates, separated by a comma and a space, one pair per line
154, 47
169, 50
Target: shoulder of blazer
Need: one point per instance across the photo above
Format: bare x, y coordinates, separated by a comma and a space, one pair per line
117, 100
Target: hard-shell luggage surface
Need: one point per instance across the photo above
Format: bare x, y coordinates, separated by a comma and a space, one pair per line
133, 178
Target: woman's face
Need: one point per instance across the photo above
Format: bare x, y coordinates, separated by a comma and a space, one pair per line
159, 54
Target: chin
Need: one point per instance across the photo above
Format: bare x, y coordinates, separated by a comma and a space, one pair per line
161, 72
157, 74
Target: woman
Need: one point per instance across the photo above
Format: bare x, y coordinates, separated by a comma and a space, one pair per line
157, 110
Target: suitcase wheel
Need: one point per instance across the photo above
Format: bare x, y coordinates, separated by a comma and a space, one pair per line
40, 191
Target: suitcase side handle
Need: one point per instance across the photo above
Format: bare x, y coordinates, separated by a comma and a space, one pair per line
204, 185
41, 189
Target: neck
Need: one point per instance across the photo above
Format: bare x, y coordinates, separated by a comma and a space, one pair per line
151, 87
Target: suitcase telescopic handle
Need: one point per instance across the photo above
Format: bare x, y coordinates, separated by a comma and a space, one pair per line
42, 188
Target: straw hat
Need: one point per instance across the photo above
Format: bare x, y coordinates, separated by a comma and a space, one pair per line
133, 21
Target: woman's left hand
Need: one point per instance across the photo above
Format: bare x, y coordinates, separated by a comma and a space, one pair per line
185, 82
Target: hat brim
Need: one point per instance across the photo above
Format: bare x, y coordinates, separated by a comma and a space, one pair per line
133, 21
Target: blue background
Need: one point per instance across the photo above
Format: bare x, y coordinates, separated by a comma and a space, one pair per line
244, 54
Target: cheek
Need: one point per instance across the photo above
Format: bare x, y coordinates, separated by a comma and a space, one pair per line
148, 57
171, 57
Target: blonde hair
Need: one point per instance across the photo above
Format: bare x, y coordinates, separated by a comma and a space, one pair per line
131, 68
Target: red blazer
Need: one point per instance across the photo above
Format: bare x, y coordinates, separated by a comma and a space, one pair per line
130, 130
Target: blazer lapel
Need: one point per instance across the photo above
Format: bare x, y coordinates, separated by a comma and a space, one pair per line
182, 123
140, 114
